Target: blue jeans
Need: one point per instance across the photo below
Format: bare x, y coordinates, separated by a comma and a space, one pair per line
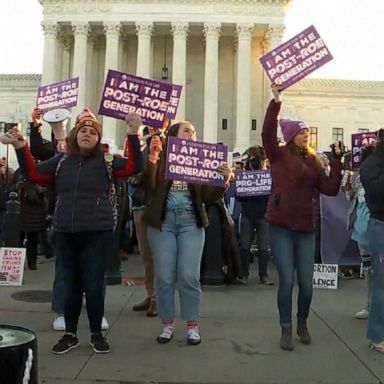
293, 250
247, 227
177, 250
84, 258
375, 331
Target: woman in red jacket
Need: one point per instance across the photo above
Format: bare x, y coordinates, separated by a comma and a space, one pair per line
297, 174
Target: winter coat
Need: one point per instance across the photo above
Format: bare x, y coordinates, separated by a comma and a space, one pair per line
290, 203
372, 177
33, 207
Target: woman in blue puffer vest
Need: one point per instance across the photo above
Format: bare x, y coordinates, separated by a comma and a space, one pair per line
84, 215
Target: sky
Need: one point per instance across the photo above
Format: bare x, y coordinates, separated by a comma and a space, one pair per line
352, 30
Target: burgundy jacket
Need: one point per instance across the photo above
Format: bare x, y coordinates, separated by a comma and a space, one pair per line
290, 203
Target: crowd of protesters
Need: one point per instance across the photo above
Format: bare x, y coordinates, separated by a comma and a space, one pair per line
69, 185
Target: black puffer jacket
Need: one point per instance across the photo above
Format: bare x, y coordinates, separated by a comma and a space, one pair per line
33, 207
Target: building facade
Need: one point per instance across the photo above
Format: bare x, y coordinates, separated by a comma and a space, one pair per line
210, 47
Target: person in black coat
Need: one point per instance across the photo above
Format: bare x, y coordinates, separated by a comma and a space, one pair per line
372, 177
253, 209
33, 213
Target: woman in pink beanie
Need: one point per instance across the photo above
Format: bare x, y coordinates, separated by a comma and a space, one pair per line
297, 174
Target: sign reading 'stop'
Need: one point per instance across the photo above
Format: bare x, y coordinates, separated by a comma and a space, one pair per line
124, 93
296, 58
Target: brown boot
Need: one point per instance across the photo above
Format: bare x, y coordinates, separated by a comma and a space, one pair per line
302, 331
152, 310
286, 342
143, 306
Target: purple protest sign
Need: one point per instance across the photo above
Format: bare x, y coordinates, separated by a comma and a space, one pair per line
195, 161
174, 101
253, 183
124, 93
296, 58
359, 141
63, 94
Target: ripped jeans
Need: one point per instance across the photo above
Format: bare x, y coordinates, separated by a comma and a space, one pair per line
375, 331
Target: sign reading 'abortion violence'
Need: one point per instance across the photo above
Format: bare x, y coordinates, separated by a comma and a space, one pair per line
63, 94
296, 58
195, 161
325, 276
124, 93
253, 183
359, 141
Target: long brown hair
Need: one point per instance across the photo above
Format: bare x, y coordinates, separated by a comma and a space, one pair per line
302, 161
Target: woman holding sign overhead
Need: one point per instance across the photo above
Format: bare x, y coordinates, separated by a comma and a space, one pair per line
176, 219
297, 174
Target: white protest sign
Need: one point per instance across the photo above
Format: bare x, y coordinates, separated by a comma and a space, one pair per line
11, 266
325, 276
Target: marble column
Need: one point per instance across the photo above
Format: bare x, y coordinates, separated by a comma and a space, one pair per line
243, 86
273, 37
80, 31
144, 34
112, 34
66, 57
50, 30
211, 81
179, 62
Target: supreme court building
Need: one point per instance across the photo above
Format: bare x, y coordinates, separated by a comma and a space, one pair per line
210, 47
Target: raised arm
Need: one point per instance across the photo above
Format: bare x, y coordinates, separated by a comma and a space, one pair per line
269, 133
44, 173
134, 163
40, 148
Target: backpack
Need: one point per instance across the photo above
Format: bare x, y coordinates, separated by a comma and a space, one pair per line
108, 159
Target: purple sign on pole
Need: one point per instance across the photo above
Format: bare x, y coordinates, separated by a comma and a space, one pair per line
63, 94
296, 58
174, 101
359, 141
124, 93
253, 183
195, 161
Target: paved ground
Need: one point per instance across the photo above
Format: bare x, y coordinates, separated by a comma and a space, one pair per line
240, 336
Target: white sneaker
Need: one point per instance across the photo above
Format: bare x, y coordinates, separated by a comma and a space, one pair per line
193, 336
104, 324
59, 323
362, 315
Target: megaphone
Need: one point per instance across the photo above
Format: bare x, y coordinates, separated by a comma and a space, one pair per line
58, 119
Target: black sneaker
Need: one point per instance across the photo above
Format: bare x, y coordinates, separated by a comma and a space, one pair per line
65, 344
99, 343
